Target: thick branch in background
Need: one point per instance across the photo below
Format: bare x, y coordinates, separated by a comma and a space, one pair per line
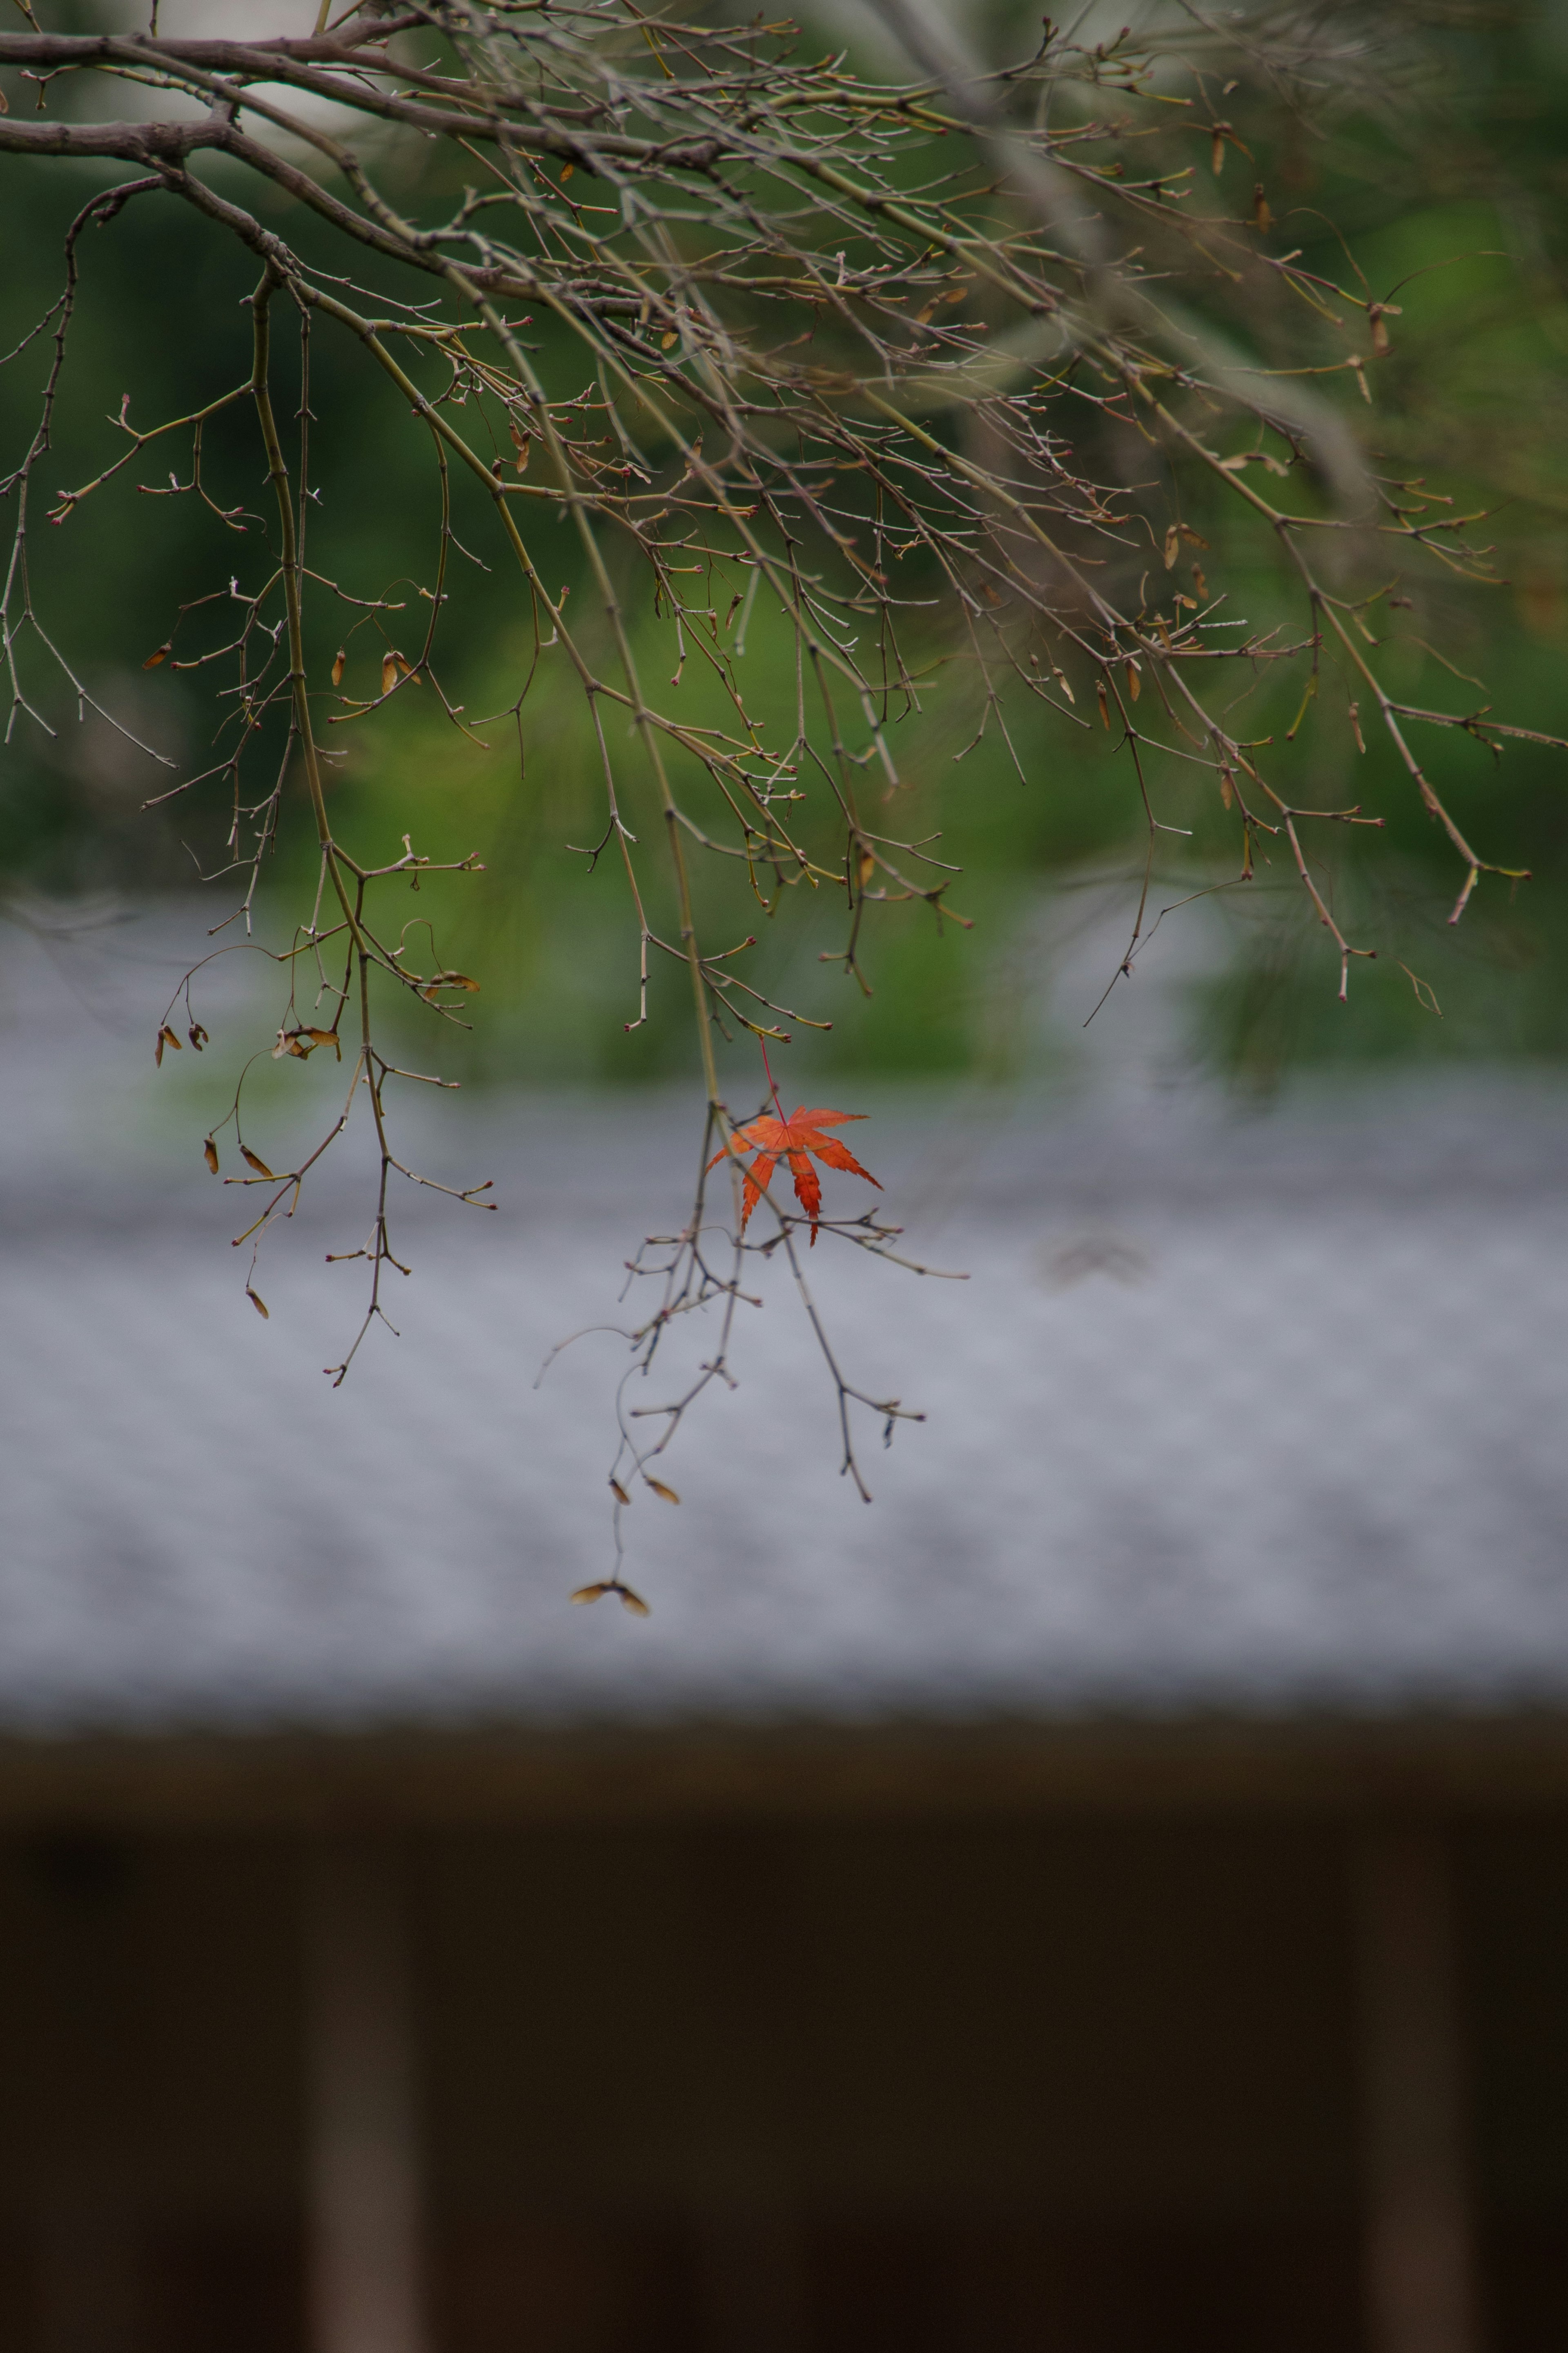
850, 393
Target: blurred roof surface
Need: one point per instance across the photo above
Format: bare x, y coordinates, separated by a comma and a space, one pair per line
1235, 1411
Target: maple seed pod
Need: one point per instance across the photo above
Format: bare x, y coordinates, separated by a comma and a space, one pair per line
1379, 331
1134, 684
259, 1304
633, 1601
618, 1492
1216, 148
161, 653
1172, 541
1198, 580
591, 1592
1262, 218
667, 1494
1099, 696
253, 1160
197, 1036
209, 1154
388, 672
338, 665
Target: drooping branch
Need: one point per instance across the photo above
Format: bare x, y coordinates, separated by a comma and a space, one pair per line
907, 379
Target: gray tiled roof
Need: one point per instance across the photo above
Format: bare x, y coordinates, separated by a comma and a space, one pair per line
1295, 1436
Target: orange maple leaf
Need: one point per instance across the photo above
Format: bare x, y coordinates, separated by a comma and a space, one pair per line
791, 1140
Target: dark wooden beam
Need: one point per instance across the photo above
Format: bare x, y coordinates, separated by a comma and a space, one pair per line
1423, 2294
1411, 1767
365, 2285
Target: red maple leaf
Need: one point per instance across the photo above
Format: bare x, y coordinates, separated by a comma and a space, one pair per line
774, 1140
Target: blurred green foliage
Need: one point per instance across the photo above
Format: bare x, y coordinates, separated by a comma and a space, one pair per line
1448, 188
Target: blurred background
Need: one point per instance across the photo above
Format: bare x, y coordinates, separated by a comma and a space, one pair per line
1109, 1896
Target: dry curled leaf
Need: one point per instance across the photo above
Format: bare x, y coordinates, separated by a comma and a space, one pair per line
253, 1160
667, 1493
629, 1600
209, 1154
793, 1140
1377, 312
